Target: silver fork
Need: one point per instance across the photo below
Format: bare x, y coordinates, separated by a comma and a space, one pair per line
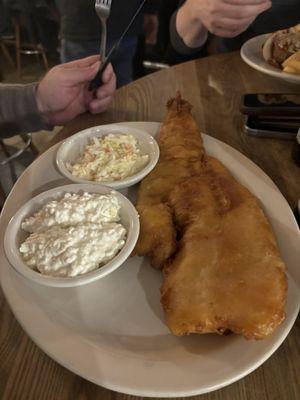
102, 8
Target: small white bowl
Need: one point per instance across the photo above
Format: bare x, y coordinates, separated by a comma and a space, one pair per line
70, 150
14, 236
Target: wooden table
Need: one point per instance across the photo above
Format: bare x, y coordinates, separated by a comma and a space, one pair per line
214, 86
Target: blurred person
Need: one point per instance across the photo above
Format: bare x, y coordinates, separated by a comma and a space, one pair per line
232, 21
81, 32
6, 26
57, 99
163, 50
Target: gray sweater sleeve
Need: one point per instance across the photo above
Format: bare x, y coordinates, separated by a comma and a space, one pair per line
18, 110
176, 40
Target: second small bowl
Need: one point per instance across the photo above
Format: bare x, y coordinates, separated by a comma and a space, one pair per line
15, 235
71, 149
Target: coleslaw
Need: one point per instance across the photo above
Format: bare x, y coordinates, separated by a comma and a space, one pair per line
110, 158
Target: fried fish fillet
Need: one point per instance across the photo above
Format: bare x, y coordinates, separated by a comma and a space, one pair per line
222, 267
181, 154
227, 273
157, 233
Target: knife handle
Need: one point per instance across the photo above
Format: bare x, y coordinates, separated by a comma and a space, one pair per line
97, 81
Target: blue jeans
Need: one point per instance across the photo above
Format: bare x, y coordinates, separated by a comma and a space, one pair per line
122, 62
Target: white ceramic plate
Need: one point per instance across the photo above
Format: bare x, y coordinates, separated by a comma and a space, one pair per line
251, 53
71, 149
112, 332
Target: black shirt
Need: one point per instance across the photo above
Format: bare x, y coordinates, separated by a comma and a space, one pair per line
79, 20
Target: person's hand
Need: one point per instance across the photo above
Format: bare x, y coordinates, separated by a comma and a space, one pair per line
225, 18
63, 93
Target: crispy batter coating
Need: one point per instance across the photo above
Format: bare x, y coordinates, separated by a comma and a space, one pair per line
181, 154
158, 234
222, 268
228, 273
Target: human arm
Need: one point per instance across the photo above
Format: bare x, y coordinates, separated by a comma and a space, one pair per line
18, 110
60, 96
225, 18
151, 20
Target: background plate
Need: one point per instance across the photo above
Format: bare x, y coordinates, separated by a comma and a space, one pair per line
112, 332
251, 53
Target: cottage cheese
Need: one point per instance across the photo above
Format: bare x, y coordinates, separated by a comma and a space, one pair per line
73, 209
68, 252
111, 158
74, 235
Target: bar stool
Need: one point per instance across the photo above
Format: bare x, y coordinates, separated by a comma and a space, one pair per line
5, 51
31, 46
8, 158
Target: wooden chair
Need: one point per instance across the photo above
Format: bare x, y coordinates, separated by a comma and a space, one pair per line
29, 47
6, 53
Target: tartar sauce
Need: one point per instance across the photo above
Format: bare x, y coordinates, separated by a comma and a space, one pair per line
74, 235
111, 158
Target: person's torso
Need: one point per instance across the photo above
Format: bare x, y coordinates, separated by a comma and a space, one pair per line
79, 20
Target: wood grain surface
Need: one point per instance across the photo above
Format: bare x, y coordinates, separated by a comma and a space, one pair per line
214, 86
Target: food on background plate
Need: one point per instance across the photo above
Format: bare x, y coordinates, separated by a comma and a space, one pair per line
110, 158
221, 264
74, 235
280, 46
292, 64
